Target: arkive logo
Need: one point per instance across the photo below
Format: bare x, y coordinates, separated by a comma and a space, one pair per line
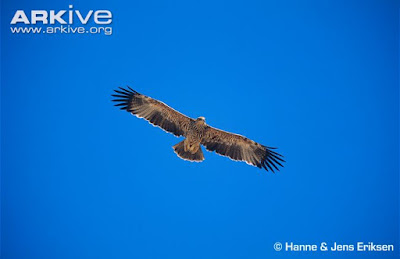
45, 17
69, 21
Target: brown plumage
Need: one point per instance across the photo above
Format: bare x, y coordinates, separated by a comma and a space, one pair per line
197, 133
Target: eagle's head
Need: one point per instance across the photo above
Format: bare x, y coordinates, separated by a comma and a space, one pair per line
201, 119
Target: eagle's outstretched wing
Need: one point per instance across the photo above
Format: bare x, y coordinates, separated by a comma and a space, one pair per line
156, 112
240, 148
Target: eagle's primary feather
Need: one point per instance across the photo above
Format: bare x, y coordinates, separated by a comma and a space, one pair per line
197, 132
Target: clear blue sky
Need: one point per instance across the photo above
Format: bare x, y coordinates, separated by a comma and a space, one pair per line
317, 79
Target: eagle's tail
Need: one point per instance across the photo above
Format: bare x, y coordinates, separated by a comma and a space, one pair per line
186, 155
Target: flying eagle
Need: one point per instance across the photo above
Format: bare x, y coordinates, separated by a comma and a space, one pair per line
197, 132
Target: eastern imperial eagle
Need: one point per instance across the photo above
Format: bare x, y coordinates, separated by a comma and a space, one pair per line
197, 132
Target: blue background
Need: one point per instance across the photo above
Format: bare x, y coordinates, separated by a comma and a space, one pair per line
317, 79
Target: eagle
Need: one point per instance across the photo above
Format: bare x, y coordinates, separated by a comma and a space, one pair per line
197, 132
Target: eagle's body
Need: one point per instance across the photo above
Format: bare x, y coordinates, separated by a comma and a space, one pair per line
192, 142
197, 133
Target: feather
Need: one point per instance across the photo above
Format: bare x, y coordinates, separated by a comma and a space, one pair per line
152, 110
240, 148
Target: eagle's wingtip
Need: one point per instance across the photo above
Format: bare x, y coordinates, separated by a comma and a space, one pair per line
123, 97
